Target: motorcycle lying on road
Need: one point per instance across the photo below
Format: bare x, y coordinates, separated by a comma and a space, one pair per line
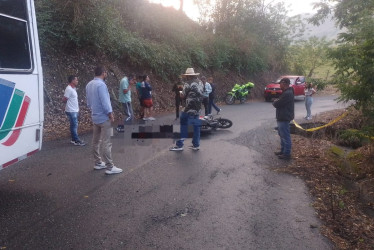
209, 123
239, 92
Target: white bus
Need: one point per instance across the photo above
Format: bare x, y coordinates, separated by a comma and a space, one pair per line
21, 82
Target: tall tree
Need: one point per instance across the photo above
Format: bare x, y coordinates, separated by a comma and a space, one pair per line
255, 26
307, 55
354, 55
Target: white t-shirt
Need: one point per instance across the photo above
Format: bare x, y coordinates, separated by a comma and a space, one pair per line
72, 102
309, 91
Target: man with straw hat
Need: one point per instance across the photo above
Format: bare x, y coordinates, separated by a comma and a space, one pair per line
193, 94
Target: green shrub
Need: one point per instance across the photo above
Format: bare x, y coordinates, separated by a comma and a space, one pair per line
149, 36
318, 84
352, 138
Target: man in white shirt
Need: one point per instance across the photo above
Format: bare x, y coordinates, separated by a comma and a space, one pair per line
72, 109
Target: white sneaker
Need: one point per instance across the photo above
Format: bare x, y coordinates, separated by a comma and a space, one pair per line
79, 143
99, 166
194, 148
145, 118
114, 170
176, 148
151, 118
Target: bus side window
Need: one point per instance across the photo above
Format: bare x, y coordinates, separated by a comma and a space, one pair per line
14, 44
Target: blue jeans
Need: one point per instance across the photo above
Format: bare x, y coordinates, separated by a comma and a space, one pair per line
187, 120
308, 105
285, 136
73, 117
211, 103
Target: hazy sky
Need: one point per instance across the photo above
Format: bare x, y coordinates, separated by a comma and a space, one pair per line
294, 6
299, 6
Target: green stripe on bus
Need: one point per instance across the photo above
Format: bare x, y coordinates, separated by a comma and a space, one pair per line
12, 113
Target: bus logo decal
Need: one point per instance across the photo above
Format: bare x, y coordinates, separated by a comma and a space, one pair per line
6, 91
14, 106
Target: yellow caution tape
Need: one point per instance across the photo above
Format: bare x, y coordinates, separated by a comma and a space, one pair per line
326, 125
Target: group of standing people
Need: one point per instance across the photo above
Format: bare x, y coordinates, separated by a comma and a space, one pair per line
208, 92
194, 91
144, 94
98, 101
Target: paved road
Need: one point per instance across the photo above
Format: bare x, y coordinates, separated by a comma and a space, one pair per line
228, 195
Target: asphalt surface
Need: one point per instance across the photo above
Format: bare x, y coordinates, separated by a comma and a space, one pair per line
228, 195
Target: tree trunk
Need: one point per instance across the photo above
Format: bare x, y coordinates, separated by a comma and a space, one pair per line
181, 5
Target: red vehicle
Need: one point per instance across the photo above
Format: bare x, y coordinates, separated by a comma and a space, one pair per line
273, 90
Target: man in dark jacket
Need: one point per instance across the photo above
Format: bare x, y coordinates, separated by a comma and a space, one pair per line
285, 114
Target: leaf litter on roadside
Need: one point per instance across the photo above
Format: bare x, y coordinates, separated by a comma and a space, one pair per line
334, 181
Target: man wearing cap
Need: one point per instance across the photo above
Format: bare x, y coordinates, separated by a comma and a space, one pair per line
193, 94
285, 114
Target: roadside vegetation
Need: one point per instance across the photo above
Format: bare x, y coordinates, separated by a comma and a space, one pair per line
337, 162
337, 165
163, 40
237, 41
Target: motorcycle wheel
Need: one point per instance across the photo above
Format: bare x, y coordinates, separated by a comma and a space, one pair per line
229, 99
204, 129
224, 123
243, 99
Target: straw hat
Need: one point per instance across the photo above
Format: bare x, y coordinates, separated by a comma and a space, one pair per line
190, 72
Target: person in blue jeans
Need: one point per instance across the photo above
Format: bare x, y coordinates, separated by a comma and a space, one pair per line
206, 91
212, 96
309, 92
285, 113
72, 109
193, 93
